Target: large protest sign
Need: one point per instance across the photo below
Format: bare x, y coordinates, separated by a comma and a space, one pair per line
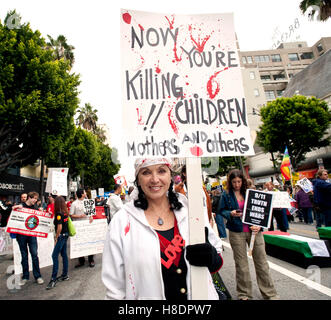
89, 207
182, 91
6, 242
89, 238
57, 181
30, 222
258, 208
281, 199
45, 249
305, 185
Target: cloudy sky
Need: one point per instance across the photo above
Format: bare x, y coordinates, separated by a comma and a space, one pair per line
92, 27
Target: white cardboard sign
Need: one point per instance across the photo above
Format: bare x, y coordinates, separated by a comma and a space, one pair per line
305, 185
89, 238
182, 91
57, 181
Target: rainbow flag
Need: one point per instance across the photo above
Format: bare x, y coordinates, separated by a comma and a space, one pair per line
285, 166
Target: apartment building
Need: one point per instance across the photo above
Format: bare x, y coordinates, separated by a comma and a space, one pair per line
266, 74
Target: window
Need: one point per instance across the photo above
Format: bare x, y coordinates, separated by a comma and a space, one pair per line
279, 76
276, 58
270, 95
243, 59
249, 59
293, 56
261, 59
265, 77
252, 75
290, 75
306, 55
280, 93
319, 47
256, 92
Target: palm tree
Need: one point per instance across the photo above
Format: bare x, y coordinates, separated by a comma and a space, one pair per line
87, 117
100, 133
62, 50
324, 8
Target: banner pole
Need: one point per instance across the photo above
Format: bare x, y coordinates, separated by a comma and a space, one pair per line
251, 245
199, 280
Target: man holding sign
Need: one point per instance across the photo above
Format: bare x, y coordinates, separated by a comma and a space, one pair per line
231, 207
77, 212
25, 241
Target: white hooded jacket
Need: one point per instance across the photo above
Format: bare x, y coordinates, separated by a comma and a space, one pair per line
131, 263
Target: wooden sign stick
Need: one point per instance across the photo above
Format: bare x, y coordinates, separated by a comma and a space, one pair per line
251, 245
199, 282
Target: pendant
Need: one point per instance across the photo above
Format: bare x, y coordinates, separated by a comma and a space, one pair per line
160, 222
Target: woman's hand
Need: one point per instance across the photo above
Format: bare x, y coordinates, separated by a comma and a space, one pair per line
255, 229
236, 213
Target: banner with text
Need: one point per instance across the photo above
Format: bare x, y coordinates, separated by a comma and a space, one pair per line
89, 238
45, 250
258, 208
30, 222
182, 91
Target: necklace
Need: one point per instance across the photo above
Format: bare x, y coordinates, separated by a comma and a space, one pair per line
160, 221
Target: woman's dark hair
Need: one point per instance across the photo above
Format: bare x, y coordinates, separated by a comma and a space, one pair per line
142, 202
60, 205
235, 173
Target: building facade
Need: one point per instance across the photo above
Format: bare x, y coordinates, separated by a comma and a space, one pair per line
266, 75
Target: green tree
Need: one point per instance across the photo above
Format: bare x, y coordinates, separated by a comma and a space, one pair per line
102, 173
87, 117
219, 166
300, 123
38, 98
324, 8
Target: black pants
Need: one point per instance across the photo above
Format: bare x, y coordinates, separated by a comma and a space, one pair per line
81, 260
278, 214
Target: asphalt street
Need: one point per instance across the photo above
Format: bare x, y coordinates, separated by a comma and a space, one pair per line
292, 282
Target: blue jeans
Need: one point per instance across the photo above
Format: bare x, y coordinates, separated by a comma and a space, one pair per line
307, 215
220, 226
23, 242
60, 248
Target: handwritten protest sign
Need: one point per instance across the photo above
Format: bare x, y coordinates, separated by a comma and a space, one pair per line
89, 238
305, 185
57, 181
30, 222
89, 207
6, 242
45, 249
182, 86
281, 199
258, 208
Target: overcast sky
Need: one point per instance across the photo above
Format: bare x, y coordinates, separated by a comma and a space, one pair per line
92, 27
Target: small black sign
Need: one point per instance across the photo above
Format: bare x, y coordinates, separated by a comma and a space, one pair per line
258, 208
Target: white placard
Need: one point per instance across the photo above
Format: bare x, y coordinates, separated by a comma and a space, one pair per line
45, 250
6, 242
93, 194
305, 185
101, 192
281, 199
57, 181
89, 207
182, 90
89, 238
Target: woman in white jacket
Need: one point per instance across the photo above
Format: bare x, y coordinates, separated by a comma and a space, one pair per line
145, 254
